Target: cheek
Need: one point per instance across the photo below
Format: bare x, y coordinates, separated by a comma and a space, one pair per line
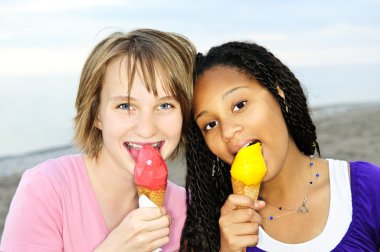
218, 148
172, 124
114, 126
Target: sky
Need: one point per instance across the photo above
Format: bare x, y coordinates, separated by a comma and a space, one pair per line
54, 37
333, 47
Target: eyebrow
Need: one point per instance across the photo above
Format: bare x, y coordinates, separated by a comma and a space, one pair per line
229, 92
167, 97
125, 98
121, 98
226, 94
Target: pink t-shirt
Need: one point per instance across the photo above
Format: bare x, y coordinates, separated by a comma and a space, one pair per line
55, 209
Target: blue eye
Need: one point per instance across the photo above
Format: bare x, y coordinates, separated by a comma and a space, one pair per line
210, 125
238, 106
166, 106
125, 106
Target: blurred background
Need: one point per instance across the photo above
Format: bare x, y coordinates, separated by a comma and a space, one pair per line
333, 47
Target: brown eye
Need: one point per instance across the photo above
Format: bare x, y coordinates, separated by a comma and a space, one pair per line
210, 125
238, 106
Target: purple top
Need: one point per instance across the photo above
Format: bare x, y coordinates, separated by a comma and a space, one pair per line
364, 231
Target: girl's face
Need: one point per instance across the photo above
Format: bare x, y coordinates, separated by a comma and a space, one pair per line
143, 120
233, 110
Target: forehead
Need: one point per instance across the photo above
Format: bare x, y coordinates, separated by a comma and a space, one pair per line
223, 76
219, 80
123, 74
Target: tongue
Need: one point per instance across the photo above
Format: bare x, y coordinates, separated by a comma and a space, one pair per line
134, 152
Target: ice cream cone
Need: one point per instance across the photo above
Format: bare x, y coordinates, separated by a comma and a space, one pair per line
248, 170
156, 196
151, 176
251, 191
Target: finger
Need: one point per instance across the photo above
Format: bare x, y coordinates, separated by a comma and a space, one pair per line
239, 243
244, 229
259, 204
257, 218
158, 243
149, 241
162, 222
239, 215
249, 240
158, 233
235, 201
149, 213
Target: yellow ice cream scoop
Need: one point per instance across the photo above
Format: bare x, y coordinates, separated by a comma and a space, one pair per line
248, 170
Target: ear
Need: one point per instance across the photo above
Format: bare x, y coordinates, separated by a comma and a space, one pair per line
98, 122
280, 91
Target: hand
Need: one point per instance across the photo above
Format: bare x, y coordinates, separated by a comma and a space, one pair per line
143, 229
239, 223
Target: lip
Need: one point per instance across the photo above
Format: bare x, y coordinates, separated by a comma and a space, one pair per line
133, 148
243, 144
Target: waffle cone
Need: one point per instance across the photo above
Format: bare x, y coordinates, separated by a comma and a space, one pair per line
251, 191
156, 196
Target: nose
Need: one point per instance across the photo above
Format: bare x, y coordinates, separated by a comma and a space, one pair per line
229, 130
146, 126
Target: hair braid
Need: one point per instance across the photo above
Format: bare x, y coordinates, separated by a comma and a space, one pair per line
205, 175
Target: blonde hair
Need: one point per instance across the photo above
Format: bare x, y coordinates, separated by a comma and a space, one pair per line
150, 51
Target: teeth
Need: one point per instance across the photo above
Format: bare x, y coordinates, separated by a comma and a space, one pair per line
156, 145
250, 143
247, 144
138, 147
134, 146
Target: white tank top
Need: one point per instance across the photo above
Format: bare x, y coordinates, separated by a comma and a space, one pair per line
338, 221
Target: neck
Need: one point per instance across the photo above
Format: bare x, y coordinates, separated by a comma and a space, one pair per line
111, 176
114, 188
290, 185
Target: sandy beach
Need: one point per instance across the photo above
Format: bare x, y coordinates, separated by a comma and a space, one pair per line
346, 132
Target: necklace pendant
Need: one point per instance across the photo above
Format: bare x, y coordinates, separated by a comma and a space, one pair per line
303, 208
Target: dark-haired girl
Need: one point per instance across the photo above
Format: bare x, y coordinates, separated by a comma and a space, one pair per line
243, 93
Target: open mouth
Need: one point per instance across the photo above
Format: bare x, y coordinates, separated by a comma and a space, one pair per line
248, 144
251, 143
134, 148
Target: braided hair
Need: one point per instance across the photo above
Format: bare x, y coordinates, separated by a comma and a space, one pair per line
208, 180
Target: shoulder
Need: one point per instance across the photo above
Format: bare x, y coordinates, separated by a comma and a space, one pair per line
175, 203
176, 189
175, 199
365, 180
365, 190
36, 212
175, 194
58, 169
51, 177
364, 174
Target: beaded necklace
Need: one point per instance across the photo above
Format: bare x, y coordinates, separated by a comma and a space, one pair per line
303, 208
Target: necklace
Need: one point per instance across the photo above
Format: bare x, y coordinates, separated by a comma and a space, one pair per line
302, 208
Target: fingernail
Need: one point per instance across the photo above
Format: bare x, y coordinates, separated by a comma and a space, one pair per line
255, 205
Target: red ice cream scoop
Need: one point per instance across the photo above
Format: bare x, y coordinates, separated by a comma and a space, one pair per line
150, 169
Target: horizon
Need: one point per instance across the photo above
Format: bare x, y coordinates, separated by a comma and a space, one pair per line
333, 47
